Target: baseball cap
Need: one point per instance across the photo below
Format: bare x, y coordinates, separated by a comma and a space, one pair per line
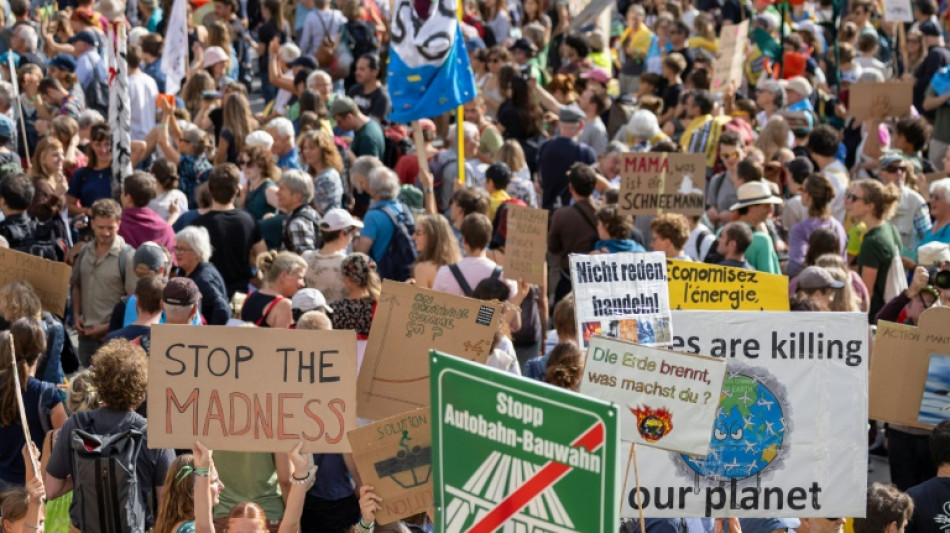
149, 255
525, 46
337, 219
6, 127
571, 113
85, 36
305, 61
800, 85
815, 277
309, 300
597, 74
342, 105
181, 291
64, 62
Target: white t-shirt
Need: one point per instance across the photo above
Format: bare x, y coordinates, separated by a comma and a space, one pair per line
143, 98
474, 270
161, 204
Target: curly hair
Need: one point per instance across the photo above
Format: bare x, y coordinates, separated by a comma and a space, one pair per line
18, 300
329, 153
120, 374
178, 503
564, 366
672, 226
82, 396
618, 226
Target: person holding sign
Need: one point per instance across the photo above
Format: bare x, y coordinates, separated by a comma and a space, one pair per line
23, 509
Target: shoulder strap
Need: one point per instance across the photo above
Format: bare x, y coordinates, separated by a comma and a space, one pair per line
586, 217
268, 309
463, 284
127, 250
495, 274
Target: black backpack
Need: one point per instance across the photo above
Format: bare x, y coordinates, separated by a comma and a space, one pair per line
463, 283
97, 93
310, 215
106, 493
396, 263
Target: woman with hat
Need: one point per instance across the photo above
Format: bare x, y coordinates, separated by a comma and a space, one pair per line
215, 61
363, 286
324, 270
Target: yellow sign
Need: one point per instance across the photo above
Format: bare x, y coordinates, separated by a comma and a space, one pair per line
721, 288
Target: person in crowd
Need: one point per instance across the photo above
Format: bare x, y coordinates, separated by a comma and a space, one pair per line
817, 285
16, 194
379, 224
461, 277
822, 149
734, 239
573, 228
888, 510
559, 154
670, 233
169, 202
301, 223
873, 204
721, 188
930, 496
564, 366
497, 178
324, 165
363, 287
258, 196
940, 211
270, 306
148, 308
139, 222
614, 230
753, 208
437, 248
193, 254
94, 181
817, 195
337, 230
912, 215
369, 93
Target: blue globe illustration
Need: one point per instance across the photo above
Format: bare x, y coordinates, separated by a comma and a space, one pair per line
748, 432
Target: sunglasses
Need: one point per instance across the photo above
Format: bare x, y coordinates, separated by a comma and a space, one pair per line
728, 155
853, 197
894, 170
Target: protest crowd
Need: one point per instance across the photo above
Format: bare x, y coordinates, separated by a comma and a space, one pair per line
275, 165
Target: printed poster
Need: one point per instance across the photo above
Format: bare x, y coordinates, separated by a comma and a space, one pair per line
695, 285
622, 295
790, 435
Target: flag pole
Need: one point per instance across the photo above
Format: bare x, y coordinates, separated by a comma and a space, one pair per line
460, 116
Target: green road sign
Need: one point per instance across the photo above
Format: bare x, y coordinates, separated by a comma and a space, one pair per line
514, 450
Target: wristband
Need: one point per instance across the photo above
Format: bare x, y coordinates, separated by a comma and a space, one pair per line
367, 527
427, 190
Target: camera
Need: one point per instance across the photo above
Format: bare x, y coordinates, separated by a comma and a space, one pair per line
939, 279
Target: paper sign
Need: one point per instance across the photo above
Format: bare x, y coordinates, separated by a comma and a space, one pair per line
667, 399
526, 247
50, 279
731, 57
517, 454
790, 435
713, 287
899, 96
251, 389
621, 295
898, 11
394, 456
653, 183
409, 321
900, 366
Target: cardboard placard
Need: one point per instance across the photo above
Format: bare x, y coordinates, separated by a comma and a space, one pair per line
900, 364
733, 40
409, 321
710, 287
621, 295
790, 435
898, 11
514, 452
251, 389
899, 96
394, 456
667, 399
526, 246
652, 183
50, 279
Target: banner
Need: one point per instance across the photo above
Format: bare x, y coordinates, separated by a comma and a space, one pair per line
251, 389
526, 245
175, 53
519, 453
727, 67
394, 456
711, 287
621, 295
50, 279
667, 399
901, 391
409, 321
652, 183
790, 436
120, 109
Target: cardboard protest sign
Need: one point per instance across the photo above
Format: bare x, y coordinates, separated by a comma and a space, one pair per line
526, 246
409, 321
898, 95
727, 67
513, 451
790, 436
251, 389
621, 295
898, 11
652, 183
899, 368
667, 399
394, 456
50, 279
714, 287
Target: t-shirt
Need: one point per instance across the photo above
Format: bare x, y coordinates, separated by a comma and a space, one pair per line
90, 185
377, 226
324, 274
143, 95
12, 469
761, 254
375, 103
877, 250
931, 506
555, 157
248, 477
369, 140
233, 233
594, 135
671, 95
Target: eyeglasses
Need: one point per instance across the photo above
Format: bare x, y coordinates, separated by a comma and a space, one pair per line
181, 250
853, 197
935, 197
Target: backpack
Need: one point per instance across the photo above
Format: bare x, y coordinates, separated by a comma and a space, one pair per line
590, 222
10, 167
398, 143
44, 243
360, 38
97, 93
396, 262
311, 216
463, 283
106, 493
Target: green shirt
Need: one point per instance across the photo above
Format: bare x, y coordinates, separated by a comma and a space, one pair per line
761, 254
877, 250
941, 121
248, 477
369, 140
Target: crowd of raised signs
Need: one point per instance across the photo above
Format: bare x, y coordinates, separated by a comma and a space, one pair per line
270, 190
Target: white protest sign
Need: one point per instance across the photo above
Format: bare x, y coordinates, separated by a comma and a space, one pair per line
898, 11
790, 435
622, 295
667, 399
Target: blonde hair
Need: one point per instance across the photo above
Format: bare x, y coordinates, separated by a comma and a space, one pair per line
846, 299
511, 154
314, 320
272, 264
441, 245
81, 395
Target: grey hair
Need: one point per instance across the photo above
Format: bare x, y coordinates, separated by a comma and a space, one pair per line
471, 132
29, 36
298, 182
364, 165
312, 78
616, 147
6, 96
282, 127
384, 183
941, 186
90, 117
198, 239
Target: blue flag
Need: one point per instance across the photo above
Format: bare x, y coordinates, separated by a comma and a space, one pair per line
429, 72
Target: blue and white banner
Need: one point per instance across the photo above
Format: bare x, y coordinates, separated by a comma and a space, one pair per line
429, 72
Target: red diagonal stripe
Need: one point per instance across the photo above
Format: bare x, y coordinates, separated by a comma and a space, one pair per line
547, 476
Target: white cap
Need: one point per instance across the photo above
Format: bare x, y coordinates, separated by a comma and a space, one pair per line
259, 138
337, 219
310, 300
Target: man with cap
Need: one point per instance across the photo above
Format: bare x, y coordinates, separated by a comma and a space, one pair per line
753, 208
938, 56
306, 300
368, 92
817, 285
181, 301
89, 65
149, 260
556, 156
147, 306
368, 139
323, 266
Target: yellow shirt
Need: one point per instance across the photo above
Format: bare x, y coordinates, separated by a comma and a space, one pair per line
701, 42
706, 130
495, 200
638, 42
